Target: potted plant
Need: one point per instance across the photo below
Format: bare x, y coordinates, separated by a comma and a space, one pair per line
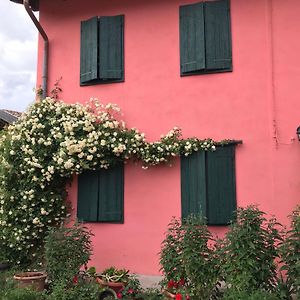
132, 289
113, 278
33, 280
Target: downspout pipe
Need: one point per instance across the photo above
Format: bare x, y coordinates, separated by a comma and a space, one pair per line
46, 46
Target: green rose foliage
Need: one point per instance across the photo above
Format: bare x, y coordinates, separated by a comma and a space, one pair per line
51, 142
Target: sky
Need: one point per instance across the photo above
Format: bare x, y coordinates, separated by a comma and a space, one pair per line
18, 53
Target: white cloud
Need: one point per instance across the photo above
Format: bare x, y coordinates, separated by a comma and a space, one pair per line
18, 53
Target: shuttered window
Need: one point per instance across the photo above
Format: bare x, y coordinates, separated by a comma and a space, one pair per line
101, 195
205, 38
208, 185
102, 50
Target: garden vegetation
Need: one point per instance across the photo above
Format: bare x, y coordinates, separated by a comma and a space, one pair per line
53, 141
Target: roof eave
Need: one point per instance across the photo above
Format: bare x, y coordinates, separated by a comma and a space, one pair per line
7, 117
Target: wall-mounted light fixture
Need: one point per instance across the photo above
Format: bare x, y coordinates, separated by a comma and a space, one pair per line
298, 133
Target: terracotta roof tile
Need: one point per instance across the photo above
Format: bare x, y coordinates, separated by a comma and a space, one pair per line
13, 112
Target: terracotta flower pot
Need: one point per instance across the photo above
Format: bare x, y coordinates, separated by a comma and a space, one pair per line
116, 286
34, 280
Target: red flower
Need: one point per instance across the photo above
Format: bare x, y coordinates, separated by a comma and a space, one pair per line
119, 295
75, 279
171, 284
181, 282
178, 297
130, 291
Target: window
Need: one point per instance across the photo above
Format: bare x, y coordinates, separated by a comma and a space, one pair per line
208, 185
205, 38
102, 50
101, 195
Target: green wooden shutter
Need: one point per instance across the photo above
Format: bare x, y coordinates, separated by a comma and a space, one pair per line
193, 186
111, 194
87, 205
89, 50
111, 48
221, 194
218, 35
192, 45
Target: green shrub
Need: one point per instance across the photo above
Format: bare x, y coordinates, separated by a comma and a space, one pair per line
188, 259
199, 258
283, 289
6, 281
249, 252
132, 289
81, 291
3, 282
290, 254
171, 252
66, 250
233, 294
21, 294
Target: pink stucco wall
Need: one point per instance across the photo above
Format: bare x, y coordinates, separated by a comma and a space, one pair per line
259, 96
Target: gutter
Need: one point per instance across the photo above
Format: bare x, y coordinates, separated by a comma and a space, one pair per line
46, 47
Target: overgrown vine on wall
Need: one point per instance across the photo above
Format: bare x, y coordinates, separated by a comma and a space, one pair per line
50, 143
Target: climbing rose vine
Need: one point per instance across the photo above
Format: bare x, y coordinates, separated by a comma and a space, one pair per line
47, 146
